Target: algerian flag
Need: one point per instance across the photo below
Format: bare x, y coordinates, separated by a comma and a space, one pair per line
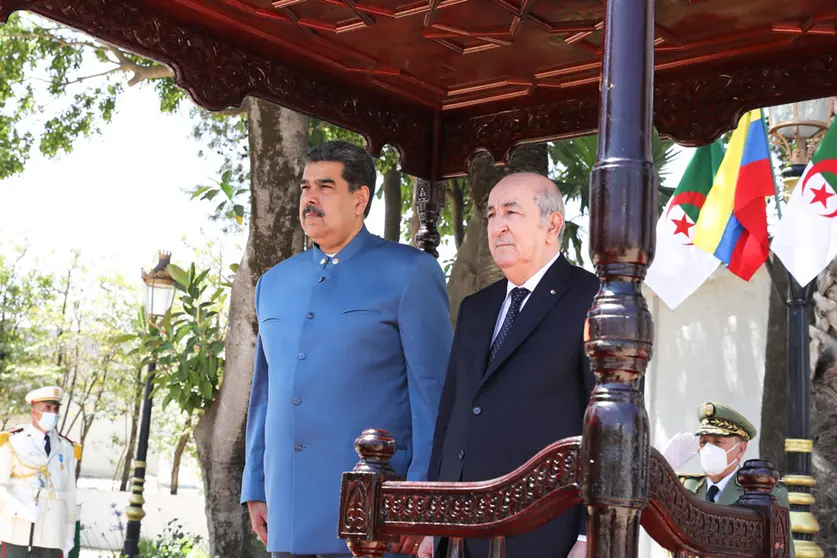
806, 237
679, 266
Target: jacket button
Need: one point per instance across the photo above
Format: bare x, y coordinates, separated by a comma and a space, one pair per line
301, 356
476, 410
461, 455
321, 279
298, 447
310, 315
297, 401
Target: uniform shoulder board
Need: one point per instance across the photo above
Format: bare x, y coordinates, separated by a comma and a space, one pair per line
76, 447
4, 436
683, 477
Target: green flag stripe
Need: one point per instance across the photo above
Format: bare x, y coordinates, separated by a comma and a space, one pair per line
699, 176
827, 150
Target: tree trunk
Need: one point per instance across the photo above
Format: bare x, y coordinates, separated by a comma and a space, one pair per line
824, 408
392, 205
824, 459
457, 201
414, 224
132, 441
178, 456
474, 268
278, 141
86, 423
774, 404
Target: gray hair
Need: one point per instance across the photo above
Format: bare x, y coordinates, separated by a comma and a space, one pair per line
549, 201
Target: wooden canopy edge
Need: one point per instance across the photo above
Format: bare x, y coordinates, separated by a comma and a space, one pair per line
693, 104
219, 75
693, 108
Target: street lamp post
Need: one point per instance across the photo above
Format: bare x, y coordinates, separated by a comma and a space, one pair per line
159, 296
798, 128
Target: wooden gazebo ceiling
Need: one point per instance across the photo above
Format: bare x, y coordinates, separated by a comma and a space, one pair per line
442, 79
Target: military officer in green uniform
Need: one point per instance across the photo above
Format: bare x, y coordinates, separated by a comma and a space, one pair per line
721, 440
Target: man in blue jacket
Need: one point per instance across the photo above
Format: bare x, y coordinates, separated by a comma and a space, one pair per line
353, 334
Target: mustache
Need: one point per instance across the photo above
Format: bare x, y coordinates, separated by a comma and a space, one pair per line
313, 209
500, 241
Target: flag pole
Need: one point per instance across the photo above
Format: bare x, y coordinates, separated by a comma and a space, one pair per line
772, 170
799, 443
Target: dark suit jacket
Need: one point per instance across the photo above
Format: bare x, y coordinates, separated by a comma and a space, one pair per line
535, 392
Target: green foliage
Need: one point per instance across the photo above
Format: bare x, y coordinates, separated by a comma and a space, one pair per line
231, 206
188, 343
226, 136
48, 66
574, 160
173, 542
25, 296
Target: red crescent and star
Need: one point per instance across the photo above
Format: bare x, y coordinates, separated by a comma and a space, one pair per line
684, 224
821, 194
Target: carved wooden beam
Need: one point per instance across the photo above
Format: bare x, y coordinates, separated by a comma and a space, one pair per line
375, 509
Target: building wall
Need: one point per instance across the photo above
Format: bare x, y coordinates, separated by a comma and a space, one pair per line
711, 348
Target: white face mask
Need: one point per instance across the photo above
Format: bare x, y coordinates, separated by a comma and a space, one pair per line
47, 421
713, 459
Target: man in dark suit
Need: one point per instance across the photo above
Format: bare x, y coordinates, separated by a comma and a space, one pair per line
518, 378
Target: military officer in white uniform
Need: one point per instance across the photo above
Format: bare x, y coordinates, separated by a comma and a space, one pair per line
37, 483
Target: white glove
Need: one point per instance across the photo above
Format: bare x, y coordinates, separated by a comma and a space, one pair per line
69, 544
680, 449
28, 513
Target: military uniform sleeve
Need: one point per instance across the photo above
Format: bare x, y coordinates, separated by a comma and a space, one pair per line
252, 483
426, 337
71, 490
9, 505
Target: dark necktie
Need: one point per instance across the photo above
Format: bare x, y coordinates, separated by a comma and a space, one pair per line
47, 444
518, 294
712, 493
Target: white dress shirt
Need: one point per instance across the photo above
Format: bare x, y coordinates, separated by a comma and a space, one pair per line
530, 284
721, 484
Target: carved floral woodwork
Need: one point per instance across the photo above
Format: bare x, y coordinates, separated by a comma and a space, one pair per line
374, 507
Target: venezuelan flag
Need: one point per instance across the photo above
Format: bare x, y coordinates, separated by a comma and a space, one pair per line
733, 221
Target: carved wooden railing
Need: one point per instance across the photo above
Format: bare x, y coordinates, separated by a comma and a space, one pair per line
375, 508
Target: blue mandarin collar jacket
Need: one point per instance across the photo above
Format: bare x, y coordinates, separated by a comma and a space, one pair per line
357, 341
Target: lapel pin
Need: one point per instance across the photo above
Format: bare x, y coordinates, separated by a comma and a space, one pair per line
552, 292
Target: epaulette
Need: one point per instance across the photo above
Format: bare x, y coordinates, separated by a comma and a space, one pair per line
683, 477
4, 436
76, 447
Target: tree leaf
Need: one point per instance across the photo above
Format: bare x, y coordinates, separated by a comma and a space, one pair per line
178, 274
123, 338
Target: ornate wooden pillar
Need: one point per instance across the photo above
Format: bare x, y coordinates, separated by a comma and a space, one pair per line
623, 202
430, 200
